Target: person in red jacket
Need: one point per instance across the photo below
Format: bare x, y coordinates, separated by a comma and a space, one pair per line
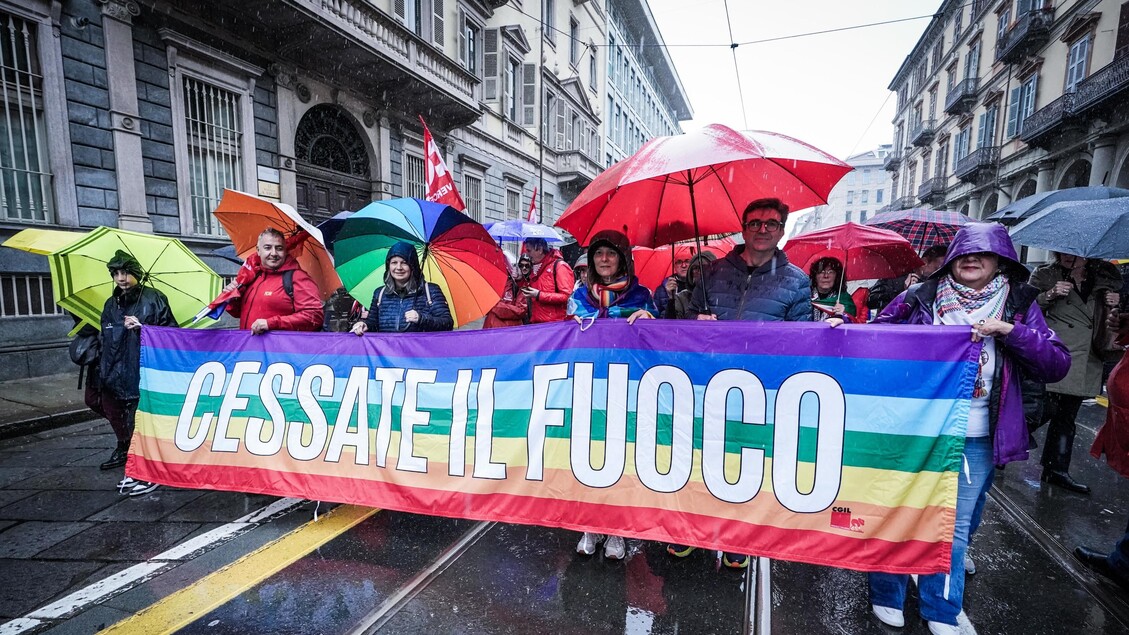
550, 284
270, 302
511, 309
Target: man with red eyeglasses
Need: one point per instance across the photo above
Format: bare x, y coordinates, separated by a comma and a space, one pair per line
755, 281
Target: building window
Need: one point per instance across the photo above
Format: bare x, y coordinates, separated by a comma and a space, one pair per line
1002, 22
862, 217
972, 61
548, 213
212, 120
958, 22
986, 131
878, 195
849, 216
941, 165
27, 295
1076, 63
25, 173
850, 197
592, 66
415, 180
1021, 106
864, 197
513, 203
472, 196
961, 147
573, 41
470, 46
548, 19
513, 72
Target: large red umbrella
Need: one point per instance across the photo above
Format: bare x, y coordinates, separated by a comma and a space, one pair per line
866, 252
698, 184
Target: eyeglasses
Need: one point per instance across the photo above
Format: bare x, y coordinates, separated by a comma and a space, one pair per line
681, 262
768, 225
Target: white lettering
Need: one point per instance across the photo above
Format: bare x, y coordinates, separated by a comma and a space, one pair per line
354, 399
410, 417
388, 378
318, 426
541, 417
232, 402
682, 433
254, 438
615, 437
831, 423
460, 413
484, 430
751, 468
183, 437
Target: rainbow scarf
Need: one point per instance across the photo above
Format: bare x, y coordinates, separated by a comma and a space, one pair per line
608, 295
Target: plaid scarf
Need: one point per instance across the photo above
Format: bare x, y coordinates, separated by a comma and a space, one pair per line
606, 295
954, 296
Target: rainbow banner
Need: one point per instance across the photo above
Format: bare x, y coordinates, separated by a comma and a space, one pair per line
837, 447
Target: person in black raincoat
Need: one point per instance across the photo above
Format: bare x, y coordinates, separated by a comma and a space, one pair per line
131, 305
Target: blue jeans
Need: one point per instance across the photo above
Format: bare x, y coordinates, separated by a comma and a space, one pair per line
942, 595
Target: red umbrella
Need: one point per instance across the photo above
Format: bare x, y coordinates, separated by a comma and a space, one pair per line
698, 184
652, 266
866, 252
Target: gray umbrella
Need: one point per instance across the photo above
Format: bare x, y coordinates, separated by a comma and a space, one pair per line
1092, 229
1028, 206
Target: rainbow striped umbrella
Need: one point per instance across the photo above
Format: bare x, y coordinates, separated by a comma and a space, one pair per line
455, 252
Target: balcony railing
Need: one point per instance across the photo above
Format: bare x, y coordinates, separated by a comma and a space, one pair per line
922, 133
892, 162
1049, 119
1099, 88
575, 166
931, 188
1030, 31
905, 202
968, 167
962, 97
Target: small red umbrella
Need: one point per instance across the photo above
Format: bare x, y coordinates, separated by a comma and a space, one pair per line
652, 266
866, 252
698, 184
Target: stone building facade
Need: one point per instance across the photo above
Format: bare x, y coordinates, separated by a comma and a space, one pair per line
137, 113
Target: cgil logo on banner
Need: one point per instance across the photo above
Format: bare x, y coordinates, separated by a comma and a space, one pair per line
659, 467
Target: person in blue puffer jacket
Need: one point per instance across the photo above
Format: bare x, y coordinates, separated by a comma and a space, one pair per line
406, 303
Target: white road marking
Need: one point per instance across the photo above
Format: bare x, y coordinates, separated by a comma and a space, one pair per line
138, 573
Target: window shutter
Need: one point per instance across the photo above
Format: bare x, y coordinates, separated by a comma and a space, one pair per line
569, 131
461, 28
560, 124
1013, 112
437, 22
490, 63
399, 9
528, 94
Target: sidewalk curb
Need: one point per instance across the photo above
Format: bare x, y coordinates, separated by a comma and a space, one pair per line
46, 422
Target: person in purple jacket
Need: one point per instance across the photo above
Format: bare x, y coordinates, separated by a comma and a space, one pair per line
981, 285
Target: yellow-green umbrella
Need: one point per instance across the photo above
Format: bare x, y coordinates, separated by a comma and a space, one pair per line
42, 241
82, 284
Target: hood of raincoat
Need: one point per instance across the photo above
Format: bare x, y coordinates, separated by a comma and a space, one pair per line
617, 241
407, 251
985, 237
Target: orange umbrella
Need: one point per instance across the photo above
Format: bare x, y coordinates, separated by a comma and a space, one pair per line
244, 217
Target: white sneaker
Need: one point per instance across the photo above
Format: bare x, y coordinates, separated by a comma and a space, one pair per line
142, 488
614, 548
889, 616
125, 485
969, 565
588, 542
940, 628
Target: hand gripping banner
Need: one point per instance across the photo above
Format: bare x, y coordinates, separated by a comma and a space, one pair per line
837, 447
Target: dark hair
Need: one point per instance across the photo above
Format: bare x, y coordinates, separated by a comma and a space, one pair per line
824, 264
935, 252
539, 243
774, 204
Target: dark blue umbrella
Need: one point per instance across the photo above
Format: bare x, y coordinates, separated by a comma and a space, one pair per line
228, 253
329, 228
1026, 207
1092, 229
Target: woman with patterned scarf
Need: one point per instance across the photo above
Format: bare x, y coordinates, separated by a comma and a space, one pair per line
981, 286
610, 290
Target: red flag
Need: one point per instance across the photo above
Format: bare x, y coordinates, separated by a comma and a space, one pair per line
532, 206
440, 185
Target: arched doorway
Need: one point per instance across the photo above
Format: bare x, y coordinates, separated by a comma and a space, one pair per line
989, 206
332, 164
1077, 175
1027, 189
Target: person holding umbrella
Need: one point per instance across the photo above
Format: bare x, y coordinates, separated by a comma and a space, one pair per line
406, 303
275, 293
511, 309
550, 283
611, 290
828, 297
980, 285
131, 305
673, 284
679, 306
1074, 294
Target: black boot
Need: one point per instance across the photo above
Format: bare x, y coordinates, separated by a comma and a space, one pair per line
1099, 562
117, 459
1064, 480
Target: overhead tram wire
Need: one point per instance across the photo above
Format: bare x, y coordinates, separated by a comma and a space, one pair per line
736, 68
868, 126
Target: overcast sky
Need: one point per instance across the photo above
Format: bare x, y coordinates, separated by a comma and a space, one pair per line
823, 89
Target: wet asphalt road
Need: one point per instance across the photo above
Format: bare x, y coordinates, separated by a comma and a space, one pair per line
61, 531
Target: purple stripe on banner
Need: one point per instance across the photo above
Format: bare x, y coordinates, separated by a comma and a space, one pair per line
795, 339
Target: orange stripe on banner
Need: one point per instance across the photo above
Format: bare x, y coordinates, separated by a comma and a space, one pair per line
840, 547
